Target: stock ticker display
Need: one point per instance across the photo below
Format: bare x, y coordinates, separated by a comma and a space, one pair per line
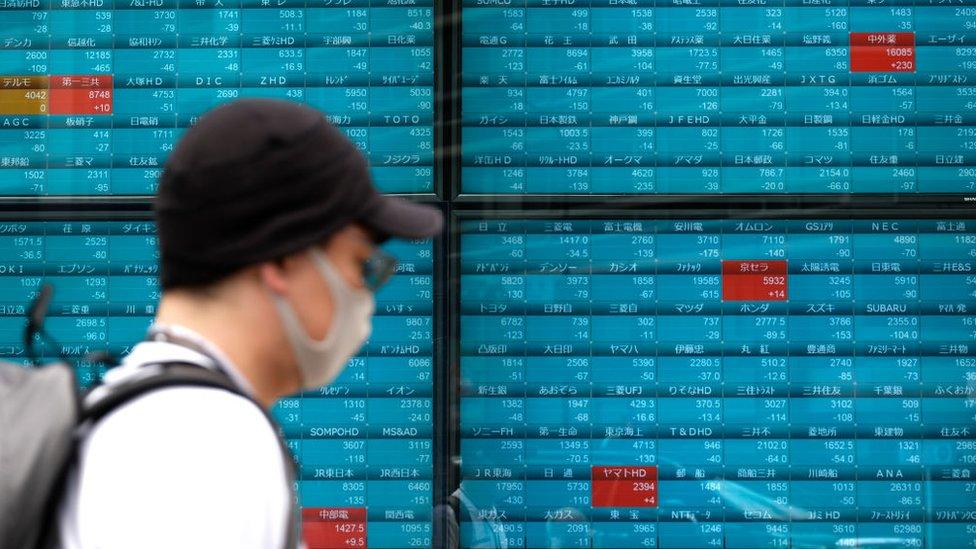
737, 383
363, 444
105, 287
94, 93
718, 96
365, 447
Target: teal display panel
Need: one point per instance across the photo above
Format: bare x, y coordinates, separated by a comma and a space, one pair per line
707, 97
684, 382
94, 94
363, 443
105, 277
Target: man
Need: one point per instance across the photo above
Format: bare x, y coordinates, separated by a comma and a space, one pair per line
268, 227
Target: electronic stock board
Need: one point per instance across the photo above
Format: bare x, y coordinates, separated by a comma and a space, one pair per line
94, 93
625, 380
703, 97
671, 382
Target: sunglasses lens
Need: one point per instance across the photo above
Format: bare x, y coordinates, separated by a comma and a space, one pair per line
378, 269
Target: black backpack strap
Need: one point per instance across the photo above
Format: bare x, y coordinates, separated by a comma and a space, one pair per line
102, 399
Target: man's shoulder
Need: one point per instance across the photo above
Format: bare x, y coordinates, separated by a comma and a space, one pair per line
175, 423
202, 458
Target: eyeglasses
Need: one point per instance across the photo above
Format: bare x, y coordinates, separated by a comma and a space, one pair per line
378, 268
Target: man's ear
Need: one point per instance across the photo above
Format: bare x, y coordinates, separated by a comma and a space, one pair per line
272, 275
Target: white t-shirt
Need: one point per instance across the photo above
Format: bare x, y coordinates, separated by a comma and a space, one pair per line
186, 467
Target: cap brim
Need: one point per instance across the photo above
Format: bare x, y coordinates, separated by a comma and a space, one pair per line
396, 217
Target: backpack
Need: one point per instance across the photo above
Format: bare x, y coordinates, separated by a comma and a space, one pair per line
41, 415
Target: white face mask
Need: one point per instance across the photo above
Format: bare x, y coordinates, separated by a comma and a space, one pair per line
319, 362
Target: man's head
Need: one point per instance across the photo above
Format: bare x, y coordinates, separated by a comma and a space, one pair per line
266, 201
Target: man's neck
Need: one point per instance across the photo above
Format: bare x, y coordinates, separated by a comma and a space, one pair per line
243, 339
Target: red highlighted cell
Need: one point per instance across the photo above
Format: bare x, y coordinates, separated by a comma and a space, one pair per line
882, 51
623, 486
81, 94
760, 280
334, 527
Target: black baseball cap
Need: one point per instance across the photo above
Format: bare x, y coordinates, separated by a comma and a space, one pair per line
258, 179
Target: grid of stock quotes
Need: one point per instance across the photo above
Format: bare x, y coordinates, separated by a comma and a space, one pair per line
364, 443
675, 382
718, 96
94, 93
738, 383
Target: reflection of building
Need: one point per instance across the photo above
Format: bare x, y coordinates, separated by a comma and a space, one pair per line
482, 532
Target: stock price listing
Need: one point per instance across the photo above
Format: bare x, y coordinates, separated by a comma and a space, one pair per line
718, 96
739, 383
94, 93
106, 286
363, 443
